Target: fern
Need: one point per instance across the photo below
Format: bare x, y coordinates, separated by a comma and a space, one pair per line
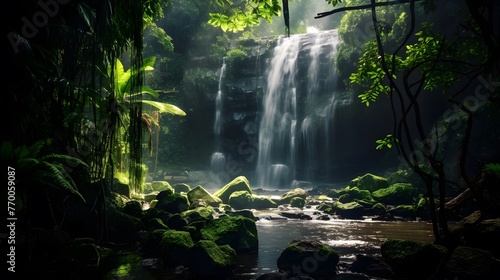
46, 169
492, 168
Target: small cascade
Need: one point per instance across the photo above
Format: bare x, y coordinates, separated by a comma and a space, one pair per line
218, 160
298, 109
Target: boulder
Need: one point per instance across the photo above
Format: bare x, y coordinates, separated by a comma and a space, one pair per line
156, 223
161, 186
173, 203
175, 246
351, 210
404, 211
176, 221
297, 192
207, 260
412, 259
181, 188
309, 258
298, 202
121, 227
369, 182
236, 231
241, 200
239, 183
372, 266
485, 235
243, 213
395, 194
204, 212
350, 194
200, 194
472, 263
263, 202
133, 208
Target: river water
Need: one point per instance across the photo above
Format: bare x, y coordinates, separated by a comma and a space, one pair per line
347, 237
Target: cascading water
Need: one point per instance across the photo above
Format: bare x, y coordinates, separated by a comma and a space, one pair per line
298, 109
218, 160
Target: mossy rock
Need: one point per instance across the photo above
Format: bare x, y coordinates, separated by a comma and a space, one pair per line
472, 263
155, 224
377, 209
239, 183
404, 211
298, 202
351, 210
243, 213
308, 257
369, 182
241, 200
200, 194
297, 192
175, 246
207, 260
121, 227
412, 259
161, 186
173, 203
350, 194
396, 194
263, 202
238, 232
133, 208
181, 188
205, 212
176, 221
485, 235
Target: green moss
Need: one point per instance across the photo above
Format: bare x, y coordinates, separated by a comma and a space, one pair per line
239, 183
395, 194
161, 186
298, 202
237, 231
369, 182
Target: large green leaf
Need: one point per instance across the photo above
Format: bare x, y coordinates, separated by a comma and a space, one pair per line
166, 107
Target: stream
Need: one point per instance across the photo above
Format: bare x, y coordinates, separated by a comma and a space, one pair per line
347, 237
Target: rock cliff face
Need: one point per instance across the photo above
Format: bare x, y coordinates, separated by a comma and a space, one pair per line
318, 131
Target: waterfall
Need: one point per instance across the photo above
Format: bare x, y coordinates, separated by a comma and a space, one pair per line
298, 108
218, 160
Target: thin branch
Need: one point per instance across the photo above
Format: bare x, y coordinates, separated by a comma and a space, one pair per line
362, 7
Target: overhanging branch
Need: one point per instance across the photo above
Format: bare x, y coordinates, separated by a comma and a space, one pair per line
361, 7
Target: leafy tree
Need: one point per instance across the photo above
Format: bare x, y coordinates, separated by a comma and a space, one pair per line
424, 60
123, 99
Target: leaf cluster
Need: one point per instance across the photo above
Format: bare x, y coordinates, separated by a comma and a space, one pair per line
40, 166
248, 13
